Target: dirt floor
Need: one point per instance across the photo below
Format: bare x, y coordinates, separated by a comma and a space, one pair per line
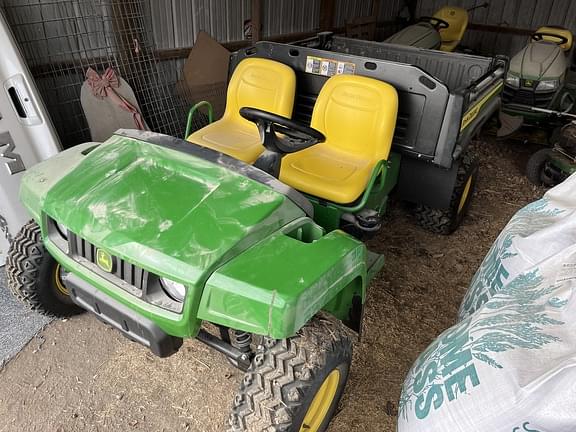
80, 375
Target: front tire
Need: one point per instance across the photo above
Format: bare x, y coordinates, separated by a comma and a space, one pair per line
445, 222
34, 277
295, 384
536, 168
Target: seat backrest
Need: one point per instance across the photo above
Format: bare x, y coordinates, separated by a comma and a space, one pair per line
457, 18
357, 114
560, 31
260, 83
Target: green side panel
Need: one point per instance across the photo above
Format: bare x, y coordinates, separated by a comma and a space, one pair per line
378, 198
325, 215
275, 287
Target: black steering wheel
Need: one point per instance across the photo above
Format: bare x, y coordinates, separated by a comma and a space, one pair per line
294, 137
437, 23
540, 36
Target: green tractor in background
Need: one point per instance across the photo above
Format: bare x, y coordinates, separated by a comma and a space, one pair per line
538, 84
442, 31
156, 235
538, 92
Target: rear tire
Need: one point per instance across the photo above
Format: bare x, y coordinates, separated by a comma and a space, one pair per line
447, 221
295, 381
535, 168
34, 276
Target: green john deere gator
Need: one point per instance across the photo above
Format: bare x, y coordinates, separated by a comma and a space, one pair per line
253, 222
155, 235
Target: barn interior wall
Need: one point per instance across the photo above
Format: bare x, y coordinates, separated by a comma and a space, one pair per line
60, 39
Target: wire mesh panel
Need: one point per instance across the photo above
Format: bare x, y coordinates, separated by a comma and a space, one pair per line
61, 39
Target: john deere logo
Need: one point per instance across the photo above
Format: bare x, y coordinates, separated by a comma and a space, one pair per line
104, 260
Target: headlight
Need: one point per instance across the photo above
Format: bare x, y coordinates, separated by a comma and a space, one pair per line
62, 230
58, 234
547, 85
513, 80
174, 289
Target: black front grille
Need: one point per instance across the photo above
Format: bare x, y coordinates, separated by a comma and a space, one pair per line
527, 97
129, 273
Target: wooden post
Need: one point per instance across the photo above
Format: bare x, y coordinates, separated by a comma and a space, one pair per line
412, 5
327, 14
256, 20
375, 10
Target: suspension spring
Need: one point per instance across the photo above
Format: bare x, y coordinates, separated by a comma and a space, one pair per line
240, 340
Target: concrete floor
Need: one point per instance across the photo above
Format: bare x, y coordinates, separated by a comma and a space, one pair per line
17, 324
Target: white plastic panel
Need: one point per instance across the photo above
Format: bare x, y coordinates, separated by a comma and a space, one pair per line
26, 135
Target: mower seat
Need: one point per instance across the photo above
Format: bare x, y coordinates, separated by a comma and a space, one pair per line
457, 18
258, 83
560, 32
357, 115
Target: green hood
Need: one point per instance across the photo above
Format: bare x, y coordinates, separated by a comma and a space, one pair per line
538, 61
170, 212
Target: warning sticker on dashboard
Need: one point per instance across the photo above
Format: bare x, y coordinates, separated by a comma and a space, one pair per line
328, 67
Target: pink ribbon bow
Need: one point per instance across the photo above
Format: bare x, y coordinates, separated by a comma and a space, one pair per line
103, 86
100, 84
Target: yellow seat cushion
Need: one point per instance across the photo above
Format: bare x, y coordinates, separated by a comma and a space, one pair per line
327, 173
457, 18
357, 115
560, 32
238, 140
257, 83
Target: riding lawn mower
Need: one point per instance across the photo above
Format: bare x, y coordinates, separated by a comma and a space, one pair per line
538, 77
442, 31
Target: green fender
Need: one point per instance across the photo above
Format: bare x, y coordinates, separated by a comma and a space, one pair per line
276, 286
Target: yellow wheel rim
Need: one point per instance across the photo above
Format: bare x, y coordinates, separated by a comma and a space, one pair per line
321, 403
58, 281
465, 194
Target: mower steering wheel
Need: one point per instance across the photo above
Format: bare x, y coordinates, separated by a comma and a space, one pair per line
437, 23
540, 36
295, 137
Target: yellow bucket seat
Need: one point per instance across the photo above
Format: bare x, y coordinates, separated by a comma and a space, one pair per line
258, 83
357, 115
566, 46
457, 18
